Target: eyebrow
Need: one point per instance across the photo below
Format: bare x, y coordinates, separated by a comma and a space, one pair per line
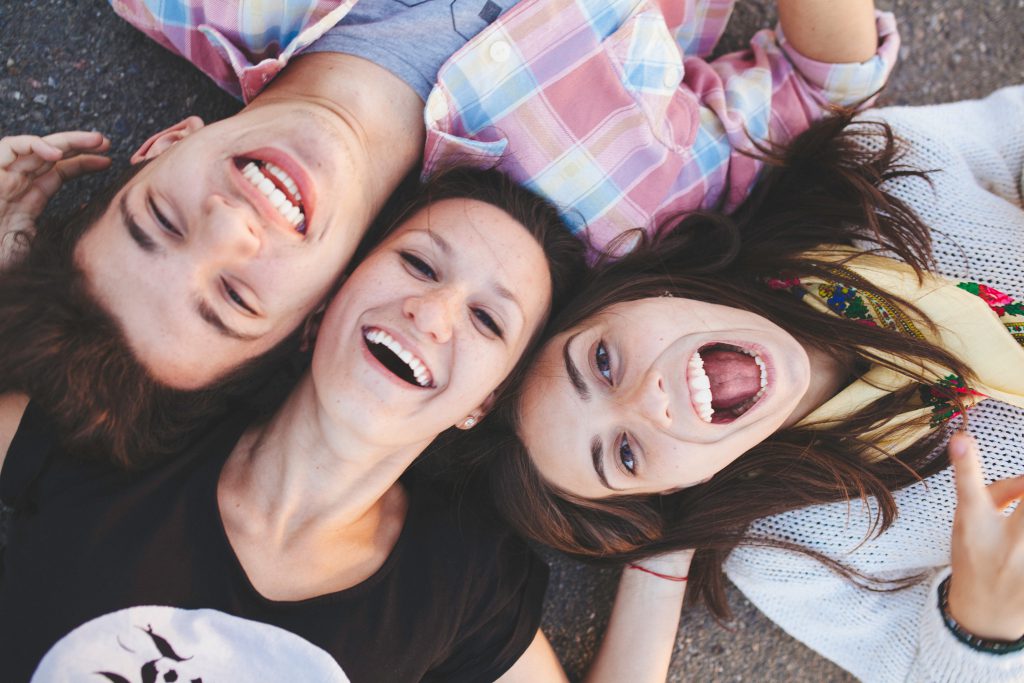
596, 450
501, 290
575, 376
138, 235
441, 243
210, 316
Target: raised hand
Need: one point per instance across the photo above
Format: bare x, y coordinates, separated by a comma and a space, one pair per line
986, 591
33, 168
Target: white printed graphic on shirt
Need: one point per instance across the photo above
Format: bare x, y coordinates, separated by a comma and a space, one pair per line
156, 643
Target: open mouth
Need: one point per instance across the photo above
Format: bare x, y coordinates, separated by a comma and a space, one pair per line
725, 381
397, 359
278, 187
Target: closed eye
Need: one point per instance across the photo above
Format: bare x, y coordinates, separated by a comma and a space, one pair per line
164, 222
237, 298
419, 265
489, 322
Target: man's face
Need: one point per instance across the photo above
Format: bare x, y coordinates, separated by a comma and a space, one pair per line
225, 242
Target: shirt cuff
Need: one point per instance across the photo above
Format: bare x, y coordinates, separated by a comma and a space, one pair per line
946, 658
850, 83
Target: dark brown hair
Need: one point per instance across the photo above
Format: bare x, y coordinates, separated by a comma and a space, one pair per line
61, 348
826, 188
69, 355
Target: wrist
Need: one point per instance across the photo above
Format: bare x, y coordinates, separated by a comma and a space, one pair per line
981, 644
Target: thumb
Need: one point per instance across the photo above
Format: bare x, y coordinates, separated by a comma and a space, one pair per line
970, 483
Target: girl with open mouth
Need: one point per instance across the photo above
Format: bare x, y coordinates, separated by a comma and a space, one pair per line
773, 388
299, 548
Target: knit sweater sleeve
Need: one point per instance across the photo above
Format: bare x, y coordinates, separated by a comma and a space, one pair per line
879, 635
974, 206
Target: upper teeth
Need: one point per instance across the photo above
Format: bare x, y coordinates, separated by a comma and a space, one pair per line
700, 385
419, 370
253, 173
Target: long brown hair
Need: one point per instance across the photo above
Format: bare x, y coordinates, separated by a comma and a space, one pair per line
826, 188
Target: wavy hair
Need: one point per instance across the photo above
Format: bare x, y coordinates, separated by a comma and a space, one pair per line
825, 188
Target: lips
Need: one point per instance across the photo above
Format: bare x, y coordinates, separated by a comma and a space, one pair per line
283, 184
397, 359
725, 381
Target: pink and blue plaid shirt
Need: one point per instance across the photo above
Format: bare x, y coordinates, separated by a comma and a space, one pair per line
240, 44
609, 108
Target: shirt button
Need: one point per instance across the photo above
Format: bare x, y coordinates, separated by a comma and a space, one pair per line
500, 51
437, 106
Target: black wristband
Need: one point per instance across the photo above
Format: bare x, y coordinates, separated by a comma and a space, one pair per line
992, 647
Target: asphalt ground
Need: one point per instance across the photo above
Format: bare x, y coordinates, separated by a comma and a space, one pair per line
72, 64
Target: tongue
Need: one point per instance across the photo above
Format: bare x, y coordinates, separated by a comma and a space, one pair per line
734, 377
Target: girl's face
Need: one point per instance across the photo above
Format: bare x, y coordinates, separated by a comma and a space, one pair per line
429, 325
658, 394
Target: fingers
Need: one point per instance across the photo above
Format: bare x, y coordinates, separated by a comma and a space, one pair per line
1005, 491
970, 482
50, 182
29, 154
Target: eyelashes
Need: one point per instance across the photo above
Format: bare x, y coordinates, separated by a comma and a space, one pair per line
425, 270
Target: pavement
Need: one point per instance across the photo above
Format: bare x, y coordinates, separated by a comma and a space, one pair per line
72, 64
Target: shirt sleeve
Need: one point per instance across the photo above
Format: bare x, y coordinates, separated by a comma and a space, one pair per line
771, 93
507, 616
875, 635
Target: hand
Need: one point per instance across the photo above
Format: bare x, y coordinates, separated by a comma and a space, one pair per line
986, 590
33, 168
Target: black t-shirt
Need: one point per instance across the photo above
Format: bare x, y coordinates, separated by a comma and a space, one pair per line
130, 577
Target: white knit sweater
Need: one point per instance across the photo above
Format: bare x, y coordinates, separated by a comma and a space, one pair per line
975, 210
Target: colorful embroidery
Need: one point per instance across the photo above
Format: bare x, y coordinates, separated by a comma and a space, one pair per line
940, 397
1002, 304
865, 307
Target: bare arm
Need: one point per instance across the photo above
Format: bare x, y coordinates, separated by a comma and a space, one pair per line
637, 646
833, 31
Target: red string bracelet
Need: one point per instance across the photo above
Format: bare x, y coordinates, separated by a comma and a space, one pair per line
667, 577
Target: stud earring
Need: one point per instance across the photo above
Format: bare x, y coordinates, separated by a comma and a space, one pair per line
469, 421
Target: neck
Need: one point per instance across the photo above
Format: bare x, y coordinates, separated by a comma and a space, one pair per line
383, 114
829, 374
299, 474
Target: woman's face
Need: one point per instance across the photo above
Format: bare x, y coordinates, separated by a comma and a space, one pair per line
429, 325
657, 394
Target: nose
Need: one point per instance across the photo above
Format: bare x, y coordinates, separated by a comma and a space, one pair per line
650, 401
433, 312
229, 230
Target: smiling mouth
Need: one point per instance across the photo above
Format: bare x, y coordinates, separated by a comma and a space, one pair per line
278, 187
397, 359
725, 381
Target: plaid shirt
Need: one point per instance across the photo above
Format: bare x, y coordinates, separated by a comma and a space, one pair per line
240, 44
609, 108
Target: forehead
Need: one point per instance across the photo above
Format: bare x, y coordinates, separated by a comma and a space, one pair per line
556, 425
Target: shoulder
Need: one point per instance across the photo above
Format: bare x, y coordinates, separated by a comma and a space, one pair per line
12, 407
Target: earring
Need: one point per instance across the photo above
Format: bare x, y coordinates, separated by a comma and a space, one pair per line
468, 422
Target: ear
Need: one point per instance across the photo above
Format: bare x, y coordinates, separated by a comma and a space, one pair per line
478, 413
162, 141
311, 327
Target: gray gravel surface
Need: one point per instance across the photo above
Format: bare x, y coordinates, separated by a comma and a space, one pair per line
68, 64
